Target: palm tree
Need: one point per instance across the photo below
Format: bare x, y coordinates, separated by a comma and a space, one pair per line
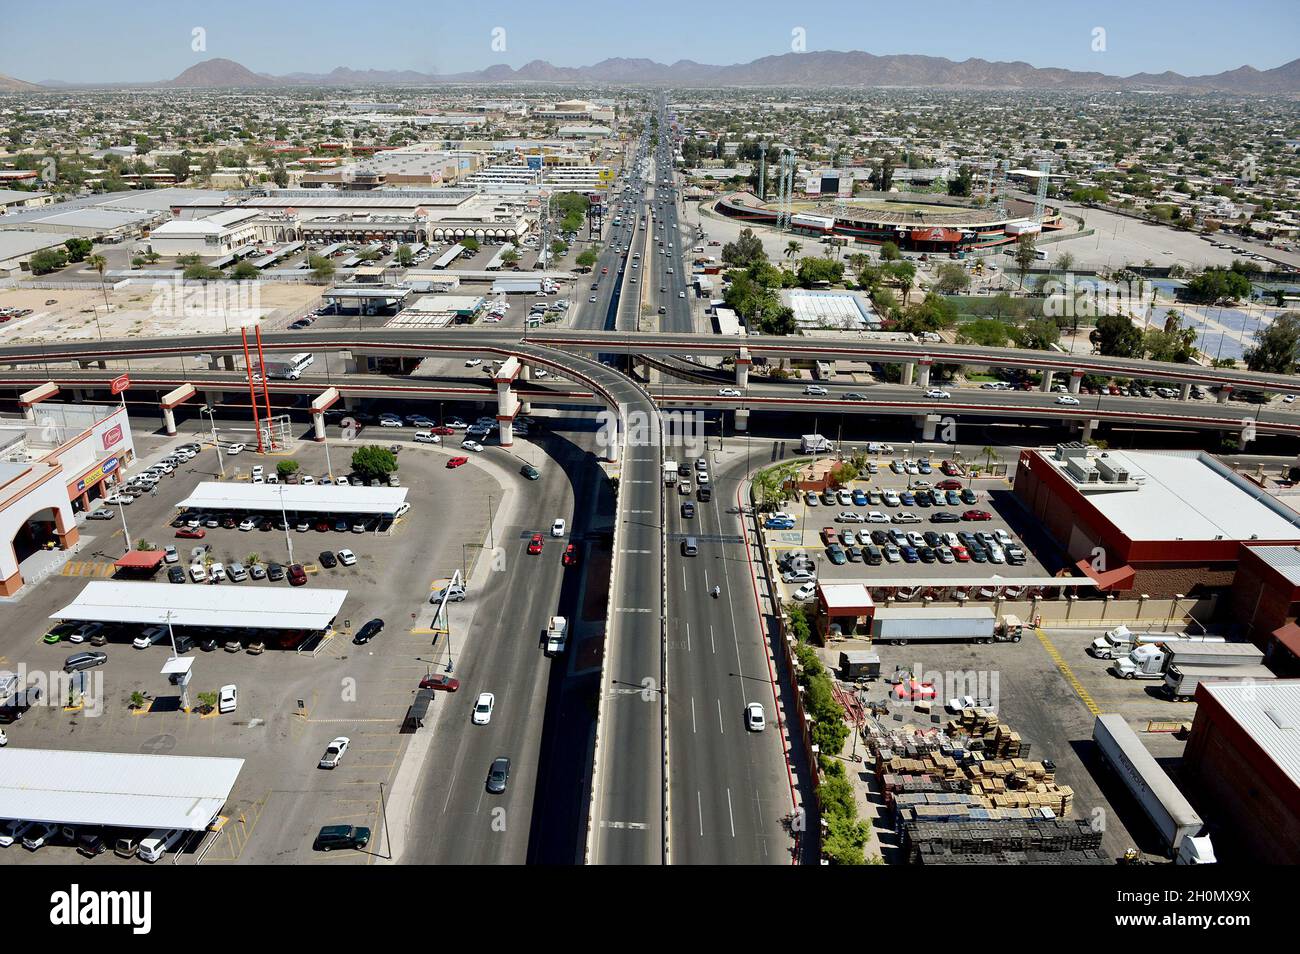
793, 248
988, 453
99, 263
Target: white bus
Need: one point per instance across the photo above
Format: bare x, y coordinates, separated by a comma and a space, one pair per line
301, 361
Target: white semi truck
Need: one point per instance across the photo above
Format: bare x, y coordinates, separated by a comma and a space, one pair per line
1121, 641
1181, 679
1152, 660
557, 635
1174, 818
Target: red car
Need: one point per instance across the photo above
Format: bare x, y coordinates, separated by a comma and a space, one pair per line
535, 543
951, 469
948, 485
977, 515
961, 554
829, 535
441, 430
323, 526
297, 575
570, 555
457, 462
913, 691
185, 533
441, 683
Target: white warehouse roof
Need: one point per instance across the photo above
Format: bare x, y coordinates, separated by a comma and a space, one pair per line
296, 498
255, 607
1268, 711
108, 788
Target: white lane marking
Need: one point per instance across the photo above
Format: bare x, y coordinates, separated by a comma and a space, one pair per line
699, 808
451, 787
633, 609
712, 644
731, 814
721, 728
688, 637
626, 826
633, 551
694, 729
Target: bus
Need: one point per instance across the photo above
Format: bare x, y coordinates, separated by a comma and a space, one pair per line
301, 361
824, 370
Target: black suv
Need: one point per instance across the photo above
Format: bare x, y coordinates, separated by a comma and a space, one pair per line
341, 836
328, 559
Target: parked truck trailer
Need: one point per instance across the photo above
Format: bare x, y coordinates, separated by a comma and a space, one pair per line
1153, 660
1121, 641
965, 624
1181, 679
1168, 809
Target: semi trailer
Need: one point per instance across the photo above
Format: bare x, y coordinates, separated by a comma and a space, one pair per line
965, 624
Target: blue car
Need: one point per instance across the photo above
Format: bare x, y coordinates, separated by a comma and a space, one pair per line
836, 554
775, 524
859, 498
909, 554
908, 498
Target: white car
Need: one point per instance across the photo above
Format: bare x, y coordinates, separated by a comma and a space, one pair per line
427, 437
937, 394
557, 528
755, 720
234, 449
347, 558
14, 830
334, 752
804, 593
474, 446
402, 510
875, 516
227, 699
124, 499
248, 523
258, 471
341, 481
848, 516
390, 420
151, 636
728, 392
217, 572
198, 574
170, 555
37, 836
815, 389
473, 362
1067, 399
483, 708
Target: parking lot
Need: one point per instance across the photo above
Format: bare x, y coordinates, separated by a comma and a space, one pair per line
891, 525
290, 703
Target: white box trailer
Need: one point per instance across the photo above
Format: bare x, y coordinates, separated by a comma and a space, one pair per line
1181, 679
670, 473
1173, 816
901, 626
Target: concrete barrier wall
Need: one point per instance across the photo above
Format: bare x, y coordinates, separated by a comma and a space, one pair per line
1154, 615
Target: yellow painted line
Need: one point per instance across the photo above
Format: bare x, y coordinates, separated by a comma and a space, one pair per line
428, 632
1067, 672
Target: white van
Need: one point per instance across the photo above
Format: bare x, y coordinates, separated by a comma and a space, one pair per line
159, 842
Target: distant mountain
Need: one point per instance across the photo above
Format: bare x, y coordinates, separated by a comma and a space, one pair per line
853, 68
10, 85
220, 72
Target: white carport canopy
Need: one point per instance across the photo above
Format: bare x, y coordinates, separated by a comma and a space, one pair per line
295, 498
107, 788
251, 607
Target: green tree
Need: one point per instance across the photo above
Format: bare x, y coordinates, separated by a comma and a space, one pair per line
404, 256
99, 263
78, 249
587, 258
814, 270
793, 248
201, 273
244, 271
322, 268
510, 256
1276, 346
1039, 334
746, 250
1218, 284
48, 260
960, 185
470, 244
1026, 255
952, 279
286, 468
1116, 335
987, 332
889, 252
374, 461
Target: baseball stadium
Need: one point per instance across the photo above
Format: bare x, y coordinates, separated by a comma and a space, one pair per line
915, 226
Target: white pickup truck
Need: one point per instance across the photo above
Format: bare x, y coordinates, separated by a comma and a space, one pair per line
557, 635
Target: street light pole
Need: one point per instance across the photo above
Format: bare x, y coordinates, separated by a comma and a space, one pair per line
212, 417
288, 540
126, 531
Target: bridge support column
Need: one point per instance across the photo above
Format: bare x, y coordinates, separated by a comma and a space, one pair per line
743, 362
1048, 375
1185, 391
169, 421
1225, 391
318, 426
506, 433
924, 366
908, 370
929, 425
1088, 427
612, 436
86, 365
525, 374
228, 362
742, 420
1076, 379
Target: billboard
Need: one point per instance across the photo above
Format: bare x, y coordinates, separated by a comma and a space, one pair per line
97, 474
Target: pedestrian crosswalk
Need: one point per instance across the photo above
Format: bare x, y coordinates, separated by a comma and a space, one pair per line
87, 568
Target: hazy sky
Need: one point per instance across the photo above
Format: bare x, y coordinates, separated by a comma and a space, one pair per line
82, 41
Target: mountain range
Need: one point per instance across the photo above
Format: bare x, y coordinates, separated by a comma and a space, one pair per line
815, 69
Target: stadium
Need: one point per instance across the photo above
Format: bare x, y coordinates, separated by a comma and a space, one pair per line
912, 225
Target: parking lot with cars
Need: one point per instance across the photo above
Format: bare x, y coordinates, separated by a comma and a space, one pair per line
919, 519
276, 705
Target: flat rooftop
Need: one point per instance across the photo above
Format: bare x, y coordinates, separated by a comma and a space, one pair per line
110, 788
295, 498
1269, 712
260, 607
1188, 496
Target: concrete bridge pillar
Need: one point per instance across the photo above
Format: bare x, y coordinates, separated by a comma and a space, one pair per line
1076, 379
525, 374
924, 366
743, 362
506, 432
228, 362
742, 419
1048, 376
1185, 391
1088, 427
169, 421
1225, 392
318, 426
908, 370
612, 435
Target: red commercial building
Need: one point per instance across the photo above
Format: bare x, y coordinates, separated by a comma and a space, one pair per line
1162, 523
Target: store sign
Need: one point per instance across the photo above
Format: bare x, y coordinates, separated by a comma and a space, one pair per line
113, 436
98, 474
120, 384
